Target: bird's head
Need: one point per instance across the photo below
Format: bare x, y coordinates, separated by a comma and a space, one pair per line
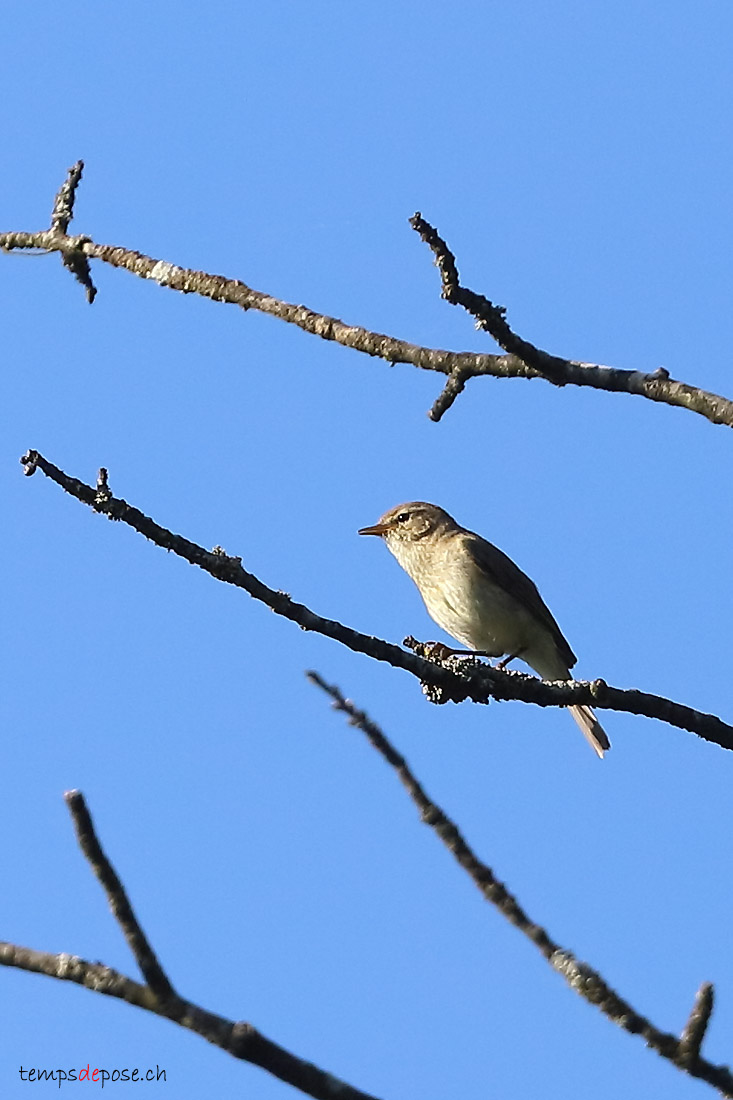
410, 522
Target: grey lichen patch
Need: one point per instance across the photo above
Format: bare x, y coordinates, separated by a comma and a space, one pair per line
164, 273
67, 964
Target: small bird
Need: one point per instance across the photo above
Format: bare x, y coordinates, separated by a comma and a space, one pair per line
480, 597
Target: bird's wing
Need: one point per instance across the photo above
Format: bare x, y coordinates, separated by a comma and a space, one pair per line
510, 577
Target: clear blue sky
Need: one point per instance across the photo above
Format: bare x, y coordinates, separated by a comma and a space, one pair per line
577, 157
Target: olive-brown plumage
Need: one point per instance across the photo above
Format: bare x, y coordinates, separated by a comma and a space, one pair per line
480, 597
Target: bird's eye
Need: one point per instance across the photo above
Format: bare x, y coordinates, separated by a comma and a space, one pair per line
403, 517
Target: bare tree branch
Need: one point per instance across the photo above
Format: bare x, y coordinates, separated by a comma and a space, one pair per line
683, 1052
489, 317
525, 361
657, 386
63, 204
237, 1038
56, 239
455, 385
119, 903
444, 679
693, 1034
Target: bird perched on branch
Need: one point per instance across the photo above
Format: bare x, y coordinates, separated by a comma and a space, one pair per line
480, 597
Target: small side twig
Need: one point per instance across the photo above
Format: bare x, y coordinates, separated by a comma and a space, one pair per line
489, 317
586, 981
63, 204
73, 256
656, 385
693, 1034
104, 493
456, 384
56, 237
119, 903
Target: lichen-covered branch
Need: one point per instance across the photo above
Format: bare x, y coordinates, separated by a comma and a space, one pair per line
523, 360
683, 1052
444, 679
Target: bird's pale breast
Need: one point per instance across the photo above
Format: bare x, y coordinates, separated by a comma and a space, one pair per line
463, 600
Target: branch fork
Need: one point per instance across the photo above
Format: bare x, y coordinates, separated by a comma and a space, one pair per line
521, 359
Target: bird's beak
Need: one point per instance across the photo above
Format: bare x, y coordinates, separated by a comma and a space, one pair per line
377, 529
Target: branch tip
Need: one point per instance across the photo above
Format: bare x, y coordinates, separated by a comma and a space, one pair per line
693, 1033
29, 462
75, 261
63, 203
456, 384
104, 493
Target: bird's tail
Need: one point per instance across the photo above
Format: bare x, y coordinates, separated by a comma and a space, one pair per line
593, 731
551, 666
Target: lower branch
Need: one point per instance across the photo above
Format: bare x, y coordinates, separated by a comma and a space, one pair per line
683, 1052
237, 1038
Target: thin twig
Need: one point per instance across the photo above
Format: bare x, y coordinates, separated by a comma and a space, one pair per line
493, 890
56, 238
691, 1039
586, 981
655, 386
63, 204
455, 385
444, 679
489, 317
118, 900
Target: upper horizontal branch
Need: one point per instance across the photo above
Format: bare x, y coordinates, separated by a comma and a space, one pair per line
522, 361
451, 679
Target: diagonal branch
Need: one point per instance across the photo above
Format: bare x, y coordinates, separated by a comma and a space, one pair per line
239, 1039
444, 679
489, 317
118, 900
683, 1052
524, 361
694, 1030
